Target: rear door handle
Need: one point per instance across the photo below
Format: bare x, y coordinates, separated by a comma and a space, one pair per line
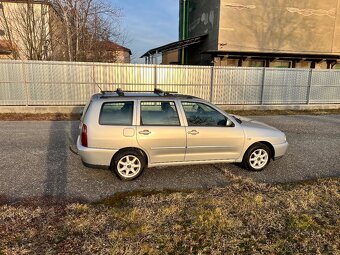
144, 132
193, 132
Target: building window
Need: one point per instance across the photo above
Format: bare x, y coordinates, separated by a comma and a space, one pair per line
281, 64
336, 66
257, 63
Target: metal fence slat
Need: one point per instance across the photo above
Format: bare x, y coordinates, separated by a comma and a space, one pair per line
70, 83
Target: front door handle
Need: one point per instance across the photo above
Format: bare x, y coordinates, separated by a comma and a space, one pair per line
144, 132
193, 132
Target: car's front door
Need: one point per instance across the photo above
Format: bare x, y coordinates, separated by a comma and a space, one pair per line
208, 135
161, 133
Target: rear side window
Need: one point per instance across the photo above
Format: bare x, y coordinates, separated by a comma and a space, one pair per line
162, 113
116, 113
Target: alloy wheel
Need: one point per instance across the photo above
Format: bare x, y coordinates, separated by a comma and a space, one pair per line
258, 159
129, 166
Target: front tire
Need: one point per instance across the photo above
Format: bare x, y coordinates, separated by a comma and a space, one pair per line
128, 165
257, 157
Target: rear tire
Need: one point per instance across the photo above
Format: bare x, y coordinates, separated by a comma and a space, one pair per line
257, 157
128, 165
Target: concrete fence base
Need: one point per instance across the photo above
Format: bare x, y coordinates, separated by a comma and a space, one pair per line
300, 107
78, 109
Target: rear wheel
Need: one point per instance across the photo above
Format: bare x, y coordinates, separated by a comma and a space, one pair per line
128, 165
257, 157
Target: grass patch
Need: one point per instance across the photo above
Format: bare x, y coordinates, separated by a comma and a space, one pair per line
284, 112
242, 218
38, 117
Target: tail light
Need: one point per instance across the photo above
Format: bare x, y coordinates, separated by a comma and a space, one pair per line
84, 136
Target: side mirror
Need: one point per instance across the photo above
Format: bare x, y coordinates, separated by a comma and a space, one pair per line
229, 123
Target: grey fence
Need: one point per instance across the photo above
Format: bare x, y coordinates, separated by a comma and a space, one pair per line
62, 83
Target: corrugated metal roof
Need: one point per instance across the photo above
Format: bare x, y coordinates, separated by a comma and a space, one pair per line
176, 45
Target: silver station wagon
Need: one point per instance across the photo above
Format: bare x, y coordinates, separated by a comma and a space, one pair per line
129, 131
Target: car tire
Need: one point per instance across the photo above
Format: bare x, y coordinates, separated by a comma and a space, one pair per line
257, 157
128, 165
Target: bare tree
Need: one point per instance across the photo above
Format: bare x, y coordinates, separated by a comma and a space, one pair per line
72, 30
27, 29
86, 24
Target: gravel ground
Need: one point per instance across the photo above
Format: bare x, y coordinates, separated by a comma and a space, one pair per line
36, 161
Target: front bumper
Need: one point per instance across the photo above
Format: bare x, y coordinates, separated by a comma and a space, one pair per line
94, 157
280, 149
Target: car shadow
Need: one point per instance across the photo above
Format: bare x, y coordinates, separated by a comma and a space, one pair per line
56, 176
61, 134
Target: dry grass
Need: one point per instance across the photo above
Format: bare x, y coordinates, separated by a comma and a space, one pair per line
243, 218
284, 112
61, 117
38, 117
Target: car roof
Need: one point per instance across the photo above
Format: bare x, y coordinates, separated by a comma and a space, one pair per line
136, 95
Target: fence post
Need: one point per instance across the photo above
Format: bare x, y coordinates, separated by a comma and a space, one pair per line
94, 83
309, 86
263, 81
25, 81
212, 69
155, 76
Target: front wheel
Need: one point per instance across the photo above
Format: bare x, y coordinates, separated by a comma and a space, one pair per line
257, 157
128, 165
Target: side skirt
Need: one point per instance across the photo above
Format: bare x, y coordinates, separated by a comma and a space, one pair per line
184, 163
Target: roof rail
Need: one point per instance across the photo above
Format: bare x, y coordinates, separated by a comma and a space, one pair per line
121, 93
165, 93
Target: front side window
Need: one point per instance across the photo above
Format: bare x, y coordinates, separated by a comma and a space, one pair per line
199, 114
162, 113
116, 113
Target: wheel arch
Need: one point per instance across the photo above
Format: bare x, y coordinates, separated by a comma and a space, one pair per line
268, 144
145, 155
271, 147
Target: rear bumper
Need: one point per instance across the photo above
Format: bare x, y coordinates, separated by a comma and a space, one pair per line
98, 158
280, 149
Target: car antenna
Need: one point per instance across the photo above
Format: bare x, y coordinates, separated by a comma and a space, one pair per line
100, 89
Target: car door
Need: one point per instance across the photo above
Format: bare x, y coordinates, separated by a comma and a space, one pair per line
160, 132
208, 135
115, 127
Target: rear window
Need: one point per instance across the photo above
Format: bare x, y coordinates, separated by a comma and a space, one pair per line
116, 113
86, 108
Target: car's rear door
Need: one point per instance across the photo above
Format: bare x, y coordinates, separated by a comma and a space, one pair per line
161, 132
112, 124
208, 136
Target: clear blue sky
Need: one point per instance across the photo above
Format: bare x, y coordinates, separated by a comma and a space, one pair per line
149, 23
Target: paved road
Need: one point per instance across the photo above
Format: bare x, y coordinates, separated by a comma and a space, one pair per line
35, 161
